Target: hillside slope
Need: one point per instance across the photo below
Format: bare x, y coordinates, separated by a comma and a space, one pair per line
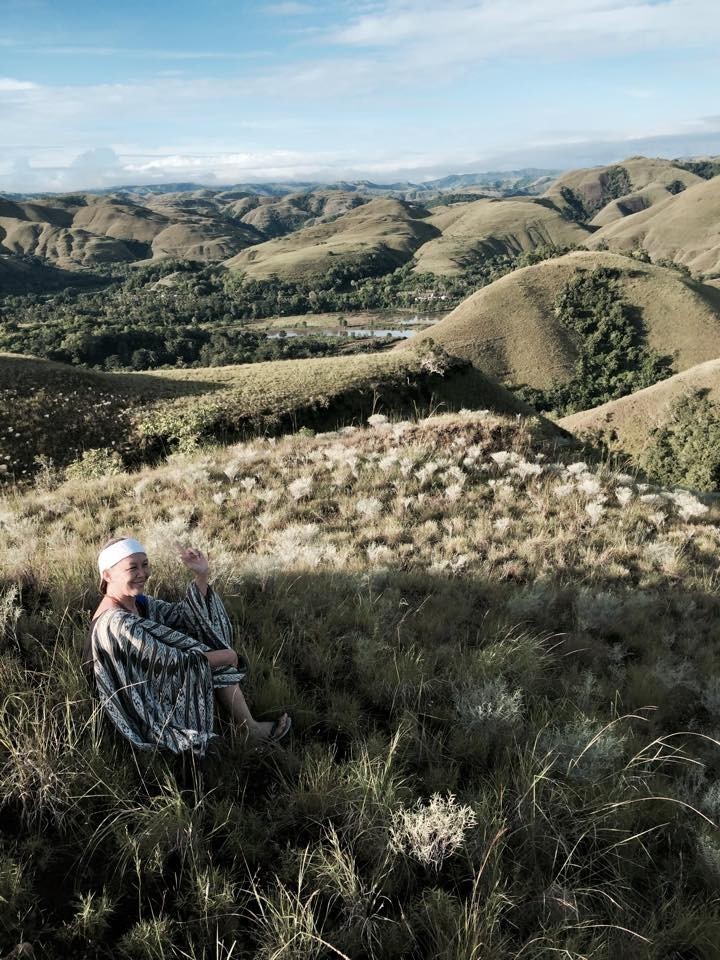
501, 664
59, 411
509, 328
488, 228
600, 195
683, 228
84, 230
389, 231
19, 276
626, 423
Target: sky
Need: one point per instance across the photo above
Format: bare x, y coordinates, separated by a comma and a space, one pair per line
94, 94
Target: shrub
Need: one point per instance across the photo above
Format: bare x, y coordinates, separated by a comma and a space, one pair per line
94, 464
686, 448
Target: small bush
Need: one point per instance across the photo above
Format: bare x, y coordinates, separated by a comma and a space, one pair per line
94, 464
686, 448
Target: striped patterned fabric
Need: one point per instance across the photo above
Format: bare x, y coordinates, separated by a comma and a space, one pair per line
151, 677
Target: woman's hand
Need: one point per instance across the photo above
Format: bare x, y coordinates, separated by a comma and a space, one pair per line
196, 561
221, 658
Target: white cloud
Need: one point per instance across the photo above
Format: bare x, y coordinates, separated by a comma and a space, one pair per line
492, 28
288, 9
8, 85
106, 167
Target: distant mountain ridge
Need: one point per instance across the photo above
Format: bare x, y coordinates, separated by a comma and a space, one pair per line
666, 207
280, 187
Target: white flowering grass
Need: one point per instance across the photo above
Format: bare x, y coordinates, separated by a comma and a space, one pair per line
391, 636
432, 831
301, 488
369, 507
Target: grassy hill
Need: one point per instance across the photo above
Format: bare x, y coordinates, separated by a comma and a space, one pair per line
490, 228
269, 215
626, 424
683, 228
60, 411
510, 330
85, 230
389, 231
502, 670
601, 195
19, 276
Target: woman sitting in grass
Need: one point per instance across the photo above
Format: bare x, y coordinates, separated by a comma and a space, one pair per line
155, 665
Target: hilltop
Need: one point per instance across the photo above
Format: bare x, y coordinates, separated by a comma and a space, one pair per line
601, 195
373, 238
490, 228
683, 228
268, 214
626, 424
58, 411
84, 230
510, 329
449, 225
501, 663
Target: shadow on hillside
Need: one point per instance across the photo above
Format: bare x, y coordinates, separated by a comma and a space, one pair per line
394, 637
22, 373
401, 684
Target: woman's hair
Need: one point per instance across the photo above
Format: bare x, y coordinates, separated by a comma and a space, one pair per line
103, 583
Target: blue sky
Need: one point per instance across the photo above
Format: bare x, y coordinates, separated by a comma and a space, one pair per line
226, 91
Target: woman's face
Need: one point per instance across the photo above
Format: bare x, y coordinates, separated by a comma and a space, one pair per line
128, 576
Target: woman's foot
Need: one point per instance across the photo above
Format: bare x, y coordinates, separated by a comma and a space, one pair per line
271, 731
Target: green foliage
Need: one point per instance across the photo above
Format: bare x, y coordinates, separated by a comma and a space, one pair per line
613, 359
675, 187
576, 209
201, 317
686, 448
95, 463
614, 183
674, 265
707, 169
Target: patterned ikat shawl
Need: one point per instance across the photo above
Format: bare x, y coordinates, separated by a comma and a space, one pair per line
150, 675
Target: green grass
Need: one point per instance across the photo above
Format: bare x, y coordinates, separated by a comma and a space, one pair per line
59, 411
511, 331
384, 233
502, 669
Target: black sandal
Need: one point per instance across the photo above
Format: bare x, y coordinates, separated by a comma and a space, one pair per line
274, 735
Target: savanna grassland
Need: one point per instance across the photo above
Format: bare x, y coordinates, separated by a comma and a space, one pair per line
501, 663
54, 417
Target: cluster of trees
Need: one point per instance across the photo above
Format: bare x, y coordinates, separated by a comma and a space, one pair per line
175, 313
686, 448
613, 356
614, 183
707, 169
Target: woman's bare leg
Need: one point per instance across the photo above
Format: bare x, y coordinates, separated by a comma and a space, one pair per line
233, 700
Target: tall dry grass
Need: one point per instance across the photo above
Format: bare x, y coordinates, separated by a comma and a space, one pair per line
500, 662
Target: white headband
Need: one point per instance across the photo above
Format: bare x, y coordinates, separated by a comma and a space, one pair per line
117, 552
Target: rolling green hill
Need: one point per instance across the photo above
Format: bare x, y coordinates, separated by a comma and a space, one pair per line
491, 228
510, 330
600, 195
384, 232
86, 230
501, 663
626, 424
683, 228
59, 411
